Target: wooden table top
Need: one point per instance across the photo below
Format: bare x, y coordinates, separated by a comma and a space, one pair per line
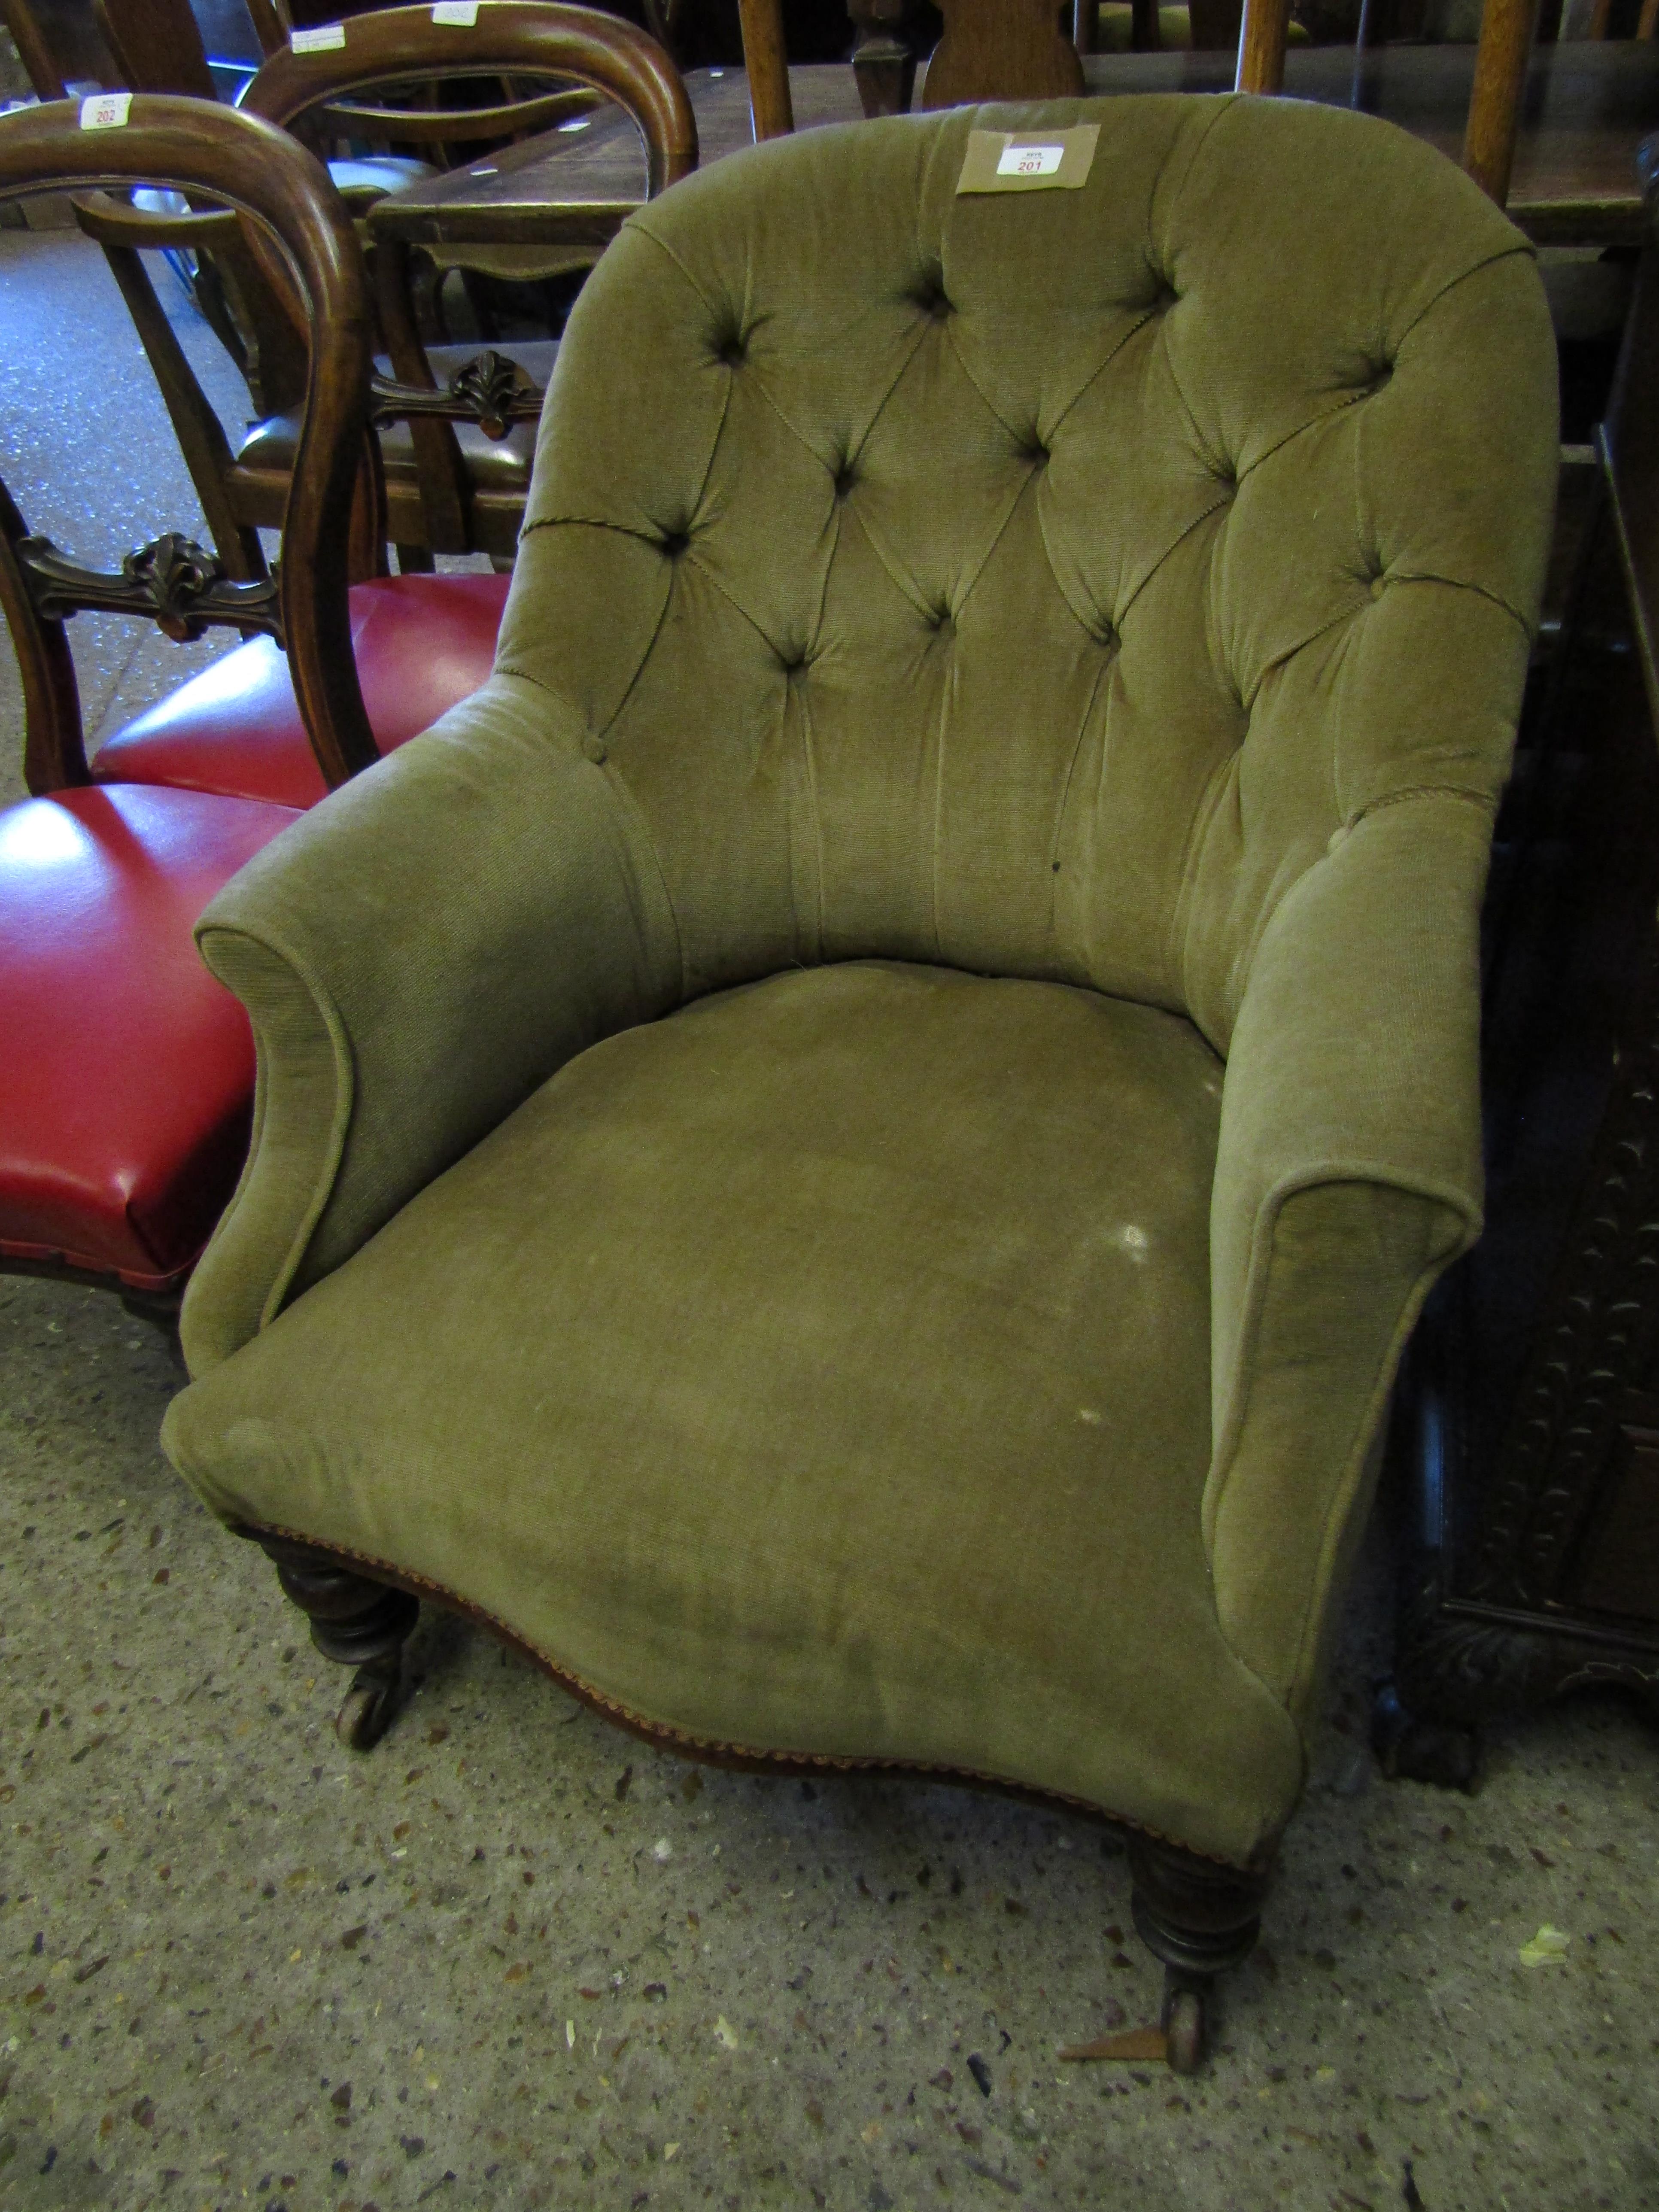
578, 185
1589, 105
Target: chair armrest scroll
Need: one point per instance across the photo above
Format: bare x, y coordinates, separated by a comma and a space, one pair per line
417, 954
1348, 1176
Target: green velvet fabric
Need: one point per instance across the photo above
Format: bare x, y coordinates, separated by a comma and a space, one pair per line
1122, 593
835, 1381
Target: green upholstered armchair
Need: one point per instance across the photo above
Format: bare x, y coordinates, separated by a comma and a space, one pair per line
845, 1153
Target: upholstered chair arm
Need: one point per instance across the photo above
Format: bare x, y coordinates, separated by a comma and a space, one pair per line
417, 954
1348, 1176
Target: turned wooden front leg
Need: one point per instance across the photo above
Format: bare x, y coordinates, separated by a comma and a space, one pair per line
355, 1622
1199, 1918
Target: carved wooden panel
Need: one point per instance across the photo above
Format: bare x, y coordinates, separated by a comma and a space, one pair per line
1616, 1567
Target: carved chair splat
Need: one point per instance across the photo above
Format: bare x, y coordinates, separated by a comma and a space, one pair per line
1014, 50
447, 501
125, 1088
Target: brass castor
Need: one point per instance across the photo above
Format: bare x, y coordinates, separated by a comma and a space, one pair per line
369, 1707
1184, 2024
354, 1621
1199, 1917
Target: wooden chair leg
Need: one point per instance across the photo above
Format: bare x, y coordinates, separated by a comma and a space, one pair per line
354, 1621
1199, 1920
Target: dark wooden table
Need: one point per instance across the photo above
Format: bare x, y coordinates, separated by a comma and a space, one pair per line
574, 188
1587, 107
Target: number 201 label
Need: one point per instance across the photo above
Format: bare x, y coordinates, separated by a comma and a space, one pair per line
1029, 161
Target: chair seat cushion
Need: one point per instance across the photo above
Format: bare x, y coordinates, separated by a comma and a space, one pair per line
126, 1073
824, 1370
422, 642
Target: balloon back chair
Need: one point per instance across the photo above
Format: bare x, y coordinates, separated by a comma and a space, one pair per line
399, 75
127, 1073
848, 1150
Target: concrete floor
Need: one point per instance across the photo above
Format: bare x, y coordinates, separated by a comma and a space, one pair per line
514, 1959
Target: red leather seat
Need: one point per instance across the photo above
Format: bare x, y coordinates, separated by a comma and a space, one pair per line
126, 1071
423, 643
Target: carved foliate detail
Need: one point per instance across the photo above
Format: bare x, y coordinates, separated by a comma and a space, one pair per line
1598, 1342
490, 390
170, 582
1457, 1667
178, 576
489, 384
1460, 1668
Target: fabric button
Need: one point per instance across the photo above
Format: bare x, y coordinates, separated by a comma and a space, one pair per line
595, 749
1379, 585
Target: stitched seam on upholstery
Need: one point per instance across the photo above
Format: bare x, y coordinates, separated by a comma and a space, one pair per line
1490, 261
905, 585
1177, 949
809, 751
525, 675
1351, 614
587, 522
261, 1092
619, 784
1508, 253
717, 1747
1225, 102
1339, 407
1365, 535
800, 436
1225, 1456
1461, 584
1028, 488
344, 1104
1486, 803
1353, 1468
947, 692
908, 585
1169, 552
1214, 460
628, 806
1241, 1383
642, 229
736, 605
1058, 840
770, 399
1087, 385
1343, 616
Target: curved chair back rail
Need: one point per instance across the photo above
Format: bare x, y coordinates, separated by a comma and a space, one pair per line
400, 48
395, 46
196, 147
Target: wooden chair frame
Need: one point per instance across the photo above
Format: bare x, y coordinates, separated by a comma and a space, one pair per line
266, 177
1507, 29
398, 49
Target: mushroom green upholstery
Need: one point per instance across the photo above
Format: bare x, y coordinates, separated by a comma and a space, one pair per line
848, 1150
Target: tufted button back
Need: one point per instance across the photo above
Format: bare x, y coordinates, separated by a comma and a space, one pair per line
1023, 614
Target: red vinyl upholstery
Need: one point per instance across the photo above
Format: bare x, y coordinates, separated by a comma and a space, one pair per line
126, 1071
423, 643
